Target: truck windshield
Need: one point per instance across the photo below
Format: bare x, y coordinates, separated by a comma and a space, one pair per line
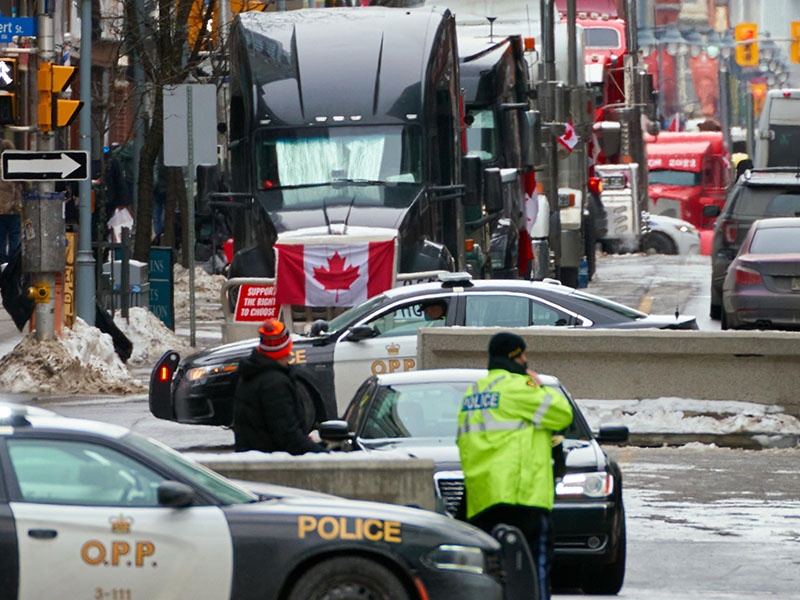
482, 135
667, 177
601, 37
296, 158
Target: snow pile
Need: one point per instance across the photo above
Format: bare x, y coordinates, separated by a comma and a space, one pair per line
206, 295
150, 336
83, 361
683, 415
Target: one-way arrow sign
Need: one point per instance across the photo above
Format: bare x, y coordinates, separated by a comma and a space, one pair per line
65, 165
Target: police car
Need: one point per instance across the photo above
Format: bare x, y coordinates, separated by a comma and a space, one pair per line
91, 510
380, 336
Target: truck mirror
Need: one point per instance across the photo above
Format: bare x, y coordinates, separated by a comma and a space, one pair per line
710, 211
609, 134
531, 138
471, 167
511, 122
494, 190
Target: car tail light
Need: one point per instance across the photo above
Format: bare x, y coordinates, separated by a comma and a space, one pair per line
745, 276
729, 231
596, 185
165, 373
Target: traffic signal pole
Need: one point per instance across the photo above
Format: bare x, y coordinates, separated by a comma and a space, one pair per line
43, 225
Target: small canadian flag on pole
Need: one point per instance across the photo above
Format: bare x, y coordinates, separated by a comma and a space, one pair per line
570, 139
342, 273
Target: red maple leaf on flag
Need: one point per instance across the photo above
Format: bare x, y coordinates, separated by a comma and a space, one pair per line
336, 276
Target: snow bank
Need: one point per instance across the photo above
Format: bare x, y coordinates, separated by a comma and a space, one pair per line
83, 360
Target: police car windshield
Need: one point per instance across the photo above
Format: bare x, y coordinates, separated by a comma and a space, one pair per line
429, 410
226, 492
355, 314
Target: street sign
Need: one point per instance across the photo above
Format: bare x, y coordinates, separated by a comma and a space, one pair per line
66, 165
16, 27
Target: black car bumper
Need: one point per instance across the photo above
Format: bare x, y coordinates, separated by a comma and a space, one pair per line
587, 530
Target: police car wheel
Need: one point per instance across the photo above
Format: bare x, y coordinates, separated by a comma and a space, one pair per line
311, 407
348, 578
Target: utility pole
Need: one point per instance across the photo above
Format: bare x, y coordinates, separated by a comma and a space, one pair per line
43, 225
85, 280
546, 92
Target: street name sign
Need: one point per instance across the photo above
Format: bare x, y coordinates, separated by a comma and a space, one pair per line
64, 165
16, 27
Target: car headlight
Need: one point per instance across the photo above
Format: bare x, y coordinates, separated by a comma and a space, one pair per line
688, 229
592, 485
201, 372
457, 558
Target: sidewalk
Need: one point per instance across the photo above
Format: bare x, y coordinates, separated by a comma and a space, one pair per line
9, 334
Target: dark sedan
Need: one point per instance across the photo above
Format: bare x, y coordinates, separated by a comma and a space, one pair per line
762, 286
415, 414
380, 336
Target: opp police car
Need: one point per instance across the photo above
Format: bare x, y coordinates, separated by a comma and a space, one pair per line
91, 510
378, 337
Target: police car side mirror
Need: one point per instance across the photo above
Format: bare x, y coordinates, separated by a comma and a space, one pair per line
318, 327
362, 332
334, 431
174, 494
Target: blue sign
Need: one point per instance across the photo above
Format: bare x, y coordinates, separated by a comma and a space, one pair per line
162, 285
16, 26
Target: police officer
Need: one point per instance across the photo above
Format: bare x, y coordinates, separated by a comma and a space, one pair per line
505, 428
267, 411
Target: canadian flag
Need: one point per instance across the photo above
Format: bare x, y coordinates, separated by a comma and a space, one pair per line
570, 139
333, 274
531, 207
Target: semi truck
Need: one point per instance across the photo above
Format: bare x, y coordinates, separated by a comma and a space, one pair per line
347, 121
687, 171
500, 137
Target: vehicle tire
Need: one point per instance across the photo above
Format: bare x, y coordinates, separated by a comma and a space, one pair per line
715, 310
658, 243
348, 578
313, 410
569, 276
608, 579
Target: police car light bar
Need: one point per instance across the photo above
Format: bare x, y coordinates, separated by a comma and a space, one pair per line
457, 276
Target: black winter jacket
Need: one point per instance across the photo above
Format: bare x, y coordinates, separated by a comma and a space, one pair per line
267, 412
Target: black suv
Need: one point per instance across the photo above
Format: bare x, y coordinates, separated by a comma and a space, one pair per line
757, 194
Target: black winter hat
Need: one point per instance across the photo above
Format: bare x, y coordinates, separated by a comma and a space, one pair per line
506, 345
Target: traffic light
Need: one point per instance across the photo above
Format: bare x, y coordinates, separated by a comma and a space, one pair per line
794, 51
746, 53
8, 91
759, 91
54, 111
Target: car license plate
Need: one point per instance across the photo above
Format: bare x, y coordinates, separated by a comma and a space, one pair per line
796, 284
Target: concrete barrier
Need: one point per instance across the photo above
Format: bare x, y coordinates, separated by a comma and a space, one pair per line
403, 481
748, 366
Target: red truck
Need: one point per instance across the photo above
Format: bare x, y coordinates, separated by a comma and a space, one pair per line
687, 171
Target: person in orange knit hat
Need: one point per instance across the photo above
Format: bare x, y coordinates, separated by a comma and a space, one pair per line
268, 415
